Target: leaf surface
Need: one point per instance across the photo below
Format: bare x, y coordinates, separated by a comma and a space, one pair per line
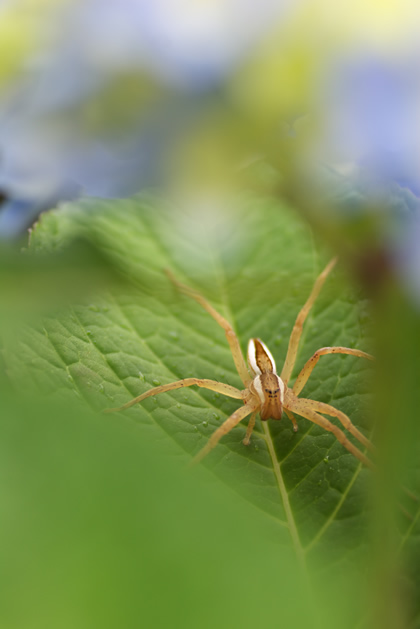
256, 264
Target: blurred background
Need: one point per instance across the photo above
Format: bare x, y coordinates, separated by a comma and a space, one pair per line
110, 98
314, 103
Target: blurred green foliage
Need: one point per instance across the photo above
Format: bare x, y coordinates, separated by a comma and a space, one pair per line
102, 526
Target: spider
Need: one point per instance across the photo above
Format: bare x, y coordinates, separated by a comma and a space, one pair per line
265, 392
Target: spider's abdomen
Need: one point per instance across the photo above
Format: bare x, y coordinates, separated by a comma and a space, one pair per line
270, 390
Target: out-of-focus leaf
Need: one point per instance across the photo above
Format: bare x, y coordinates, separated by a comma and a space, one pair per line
102, 526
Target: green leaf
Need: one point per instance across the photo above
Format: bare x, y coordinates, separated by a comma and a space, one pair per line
256, 263
46, 278
100, 528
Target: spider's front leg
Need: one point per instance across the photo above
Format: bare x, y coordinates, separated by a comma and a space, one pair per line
231, 337
307, 369
292, 349
327, 409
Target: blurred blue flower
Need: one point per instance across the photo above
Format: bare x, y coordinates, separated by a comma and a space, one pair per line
372, 114
17, 214
189, 44
371, 139
186, 48
409, 260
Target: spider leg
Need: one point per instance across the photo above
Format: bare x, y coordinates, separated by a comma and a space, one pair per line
250, 428
292, 419
304, 409
302, 378
226, 427
232, 339
327, 409
219, 387
292, 349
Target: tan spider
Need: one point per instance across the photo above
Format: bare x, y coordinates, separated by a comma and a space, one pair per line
265, 392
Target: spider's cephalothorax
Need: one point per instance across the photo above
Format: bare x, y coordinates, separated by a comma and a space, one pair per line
264, 391
266, 385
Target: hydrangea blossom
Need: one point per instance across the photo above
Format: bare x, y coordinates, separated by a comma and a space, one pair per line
371, 136
372, 115
187, 47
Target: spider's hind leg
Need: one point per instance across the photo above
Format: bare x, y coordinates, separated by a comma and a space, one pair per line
301, 406
327, 409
